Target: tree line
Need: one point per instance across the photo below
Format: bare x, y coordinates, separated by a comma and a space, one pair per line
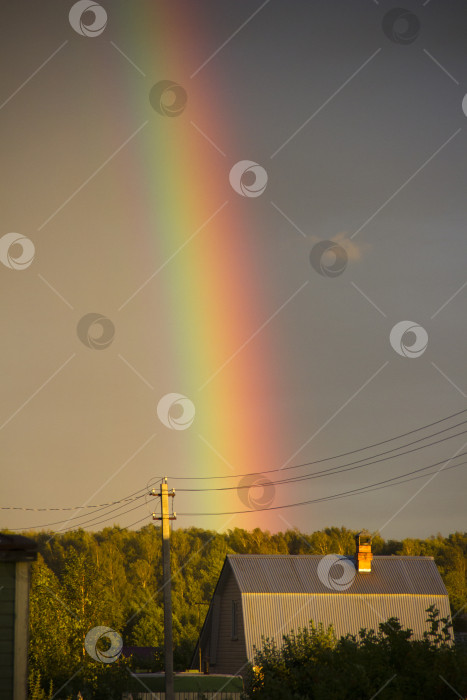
113, 578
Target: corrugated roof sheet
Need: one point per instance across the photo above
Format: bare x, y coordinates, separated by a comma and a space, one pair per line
277, 614
282, 573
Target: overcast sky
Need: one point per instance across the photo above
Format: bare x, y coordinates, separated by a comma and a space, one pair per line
352, 115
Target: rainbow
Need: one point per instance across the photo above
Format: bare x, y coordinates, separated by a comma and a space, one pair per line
178, 187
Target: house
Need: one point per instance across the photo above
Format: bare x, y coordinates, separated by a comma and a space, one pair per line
263, 595
16, 554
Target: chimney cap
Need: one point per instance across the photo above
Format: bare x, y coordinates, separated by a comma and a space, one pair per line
364, 533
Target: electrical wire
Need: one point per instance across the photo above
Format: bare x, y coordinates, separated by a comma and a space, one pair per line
78, 517
124, 513
86, 524
356, 464
99, 505
106, 519
338, 469
363, 489
132, 497
326, 459
386, 483
296, 466
127, 527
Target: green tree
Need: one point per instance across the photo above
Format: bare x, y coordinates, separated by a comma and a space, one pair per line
49, 626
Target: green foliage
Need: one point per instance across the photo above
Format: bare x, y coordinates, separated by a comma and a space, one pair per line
35, 687
113, 578
314, 665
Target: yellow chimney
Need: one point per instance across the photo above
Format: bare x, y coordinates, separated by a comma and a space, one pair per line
363, 553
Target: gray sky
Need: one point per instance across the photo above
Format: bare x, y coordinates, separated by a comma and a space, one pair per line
362, 134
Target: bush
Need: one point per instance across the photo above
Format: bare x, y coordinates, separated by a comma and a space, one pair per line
314, 665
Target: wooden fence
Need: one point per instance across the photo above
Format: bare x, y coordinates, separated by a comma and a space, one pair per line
184, 695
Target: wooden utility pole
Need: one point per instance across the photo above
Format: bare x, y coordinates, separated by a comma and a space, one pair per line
166, 585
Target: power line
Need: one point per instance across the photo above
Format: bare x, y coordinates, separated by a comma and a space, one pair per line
106, 519
131, 497
136, 523
86, 524
124, 513
394, 481
386, 483
99, 505
79, 517
341, 468
326, 459
295, 466
349, 466
363, 489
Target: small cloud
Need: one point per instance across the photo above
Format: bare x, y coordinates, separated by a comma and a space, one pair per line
355, 251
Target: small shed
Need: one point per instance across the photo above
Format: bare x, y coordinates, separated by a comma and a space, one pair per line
16, 555
259, 595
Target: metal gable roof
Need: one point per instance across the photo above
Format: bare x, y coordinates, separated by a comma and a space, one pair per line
281, 592
284, 573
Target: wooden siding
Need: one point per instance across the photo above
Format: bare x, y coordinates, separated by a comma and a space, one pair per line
225, 654
20, 677
7, 627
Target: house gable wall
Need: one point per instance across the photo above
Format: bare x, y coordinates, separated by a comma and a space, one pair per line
225, 654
